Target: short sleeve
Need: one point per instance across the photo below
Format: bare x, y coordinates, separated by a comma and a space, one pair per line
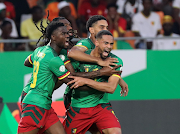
176, 4
120, 62
23, 30
159, 27
64, 57
135, 25
84, 43
57, 66
120, 4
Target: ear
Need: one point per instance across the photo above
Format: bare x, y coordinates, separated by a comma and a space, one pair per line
91, 30
96, 43
52, 37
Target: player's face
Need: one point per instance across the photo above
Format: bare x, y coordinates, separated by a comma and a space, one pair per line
66, 23
99, 26
61, 37
105, 45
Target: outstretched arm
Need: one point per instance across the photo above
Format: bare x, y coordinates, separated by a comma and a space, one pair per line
28, 62
77, 53
105, 71
108, 87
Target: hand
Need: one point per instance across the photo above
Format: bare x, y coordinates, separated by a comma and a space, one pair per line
108, 62
107, 71
78, 81
124, 88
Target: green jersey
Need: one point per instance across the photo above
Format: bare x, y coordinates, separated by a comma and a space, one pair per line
92, 97
47, 69
86, 43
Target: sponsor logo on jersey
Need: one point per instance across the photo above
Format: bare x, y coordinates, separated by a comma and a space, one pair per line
74, 130
62, 68
62, 57
40, 54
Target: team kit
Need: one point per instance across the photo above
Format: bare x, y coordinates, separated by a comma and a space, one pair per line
89, 70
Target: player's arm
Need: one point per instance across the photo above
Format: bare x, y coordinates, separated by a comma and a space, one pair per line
28, 62
124, 87
77, 53
105, 71
108, 87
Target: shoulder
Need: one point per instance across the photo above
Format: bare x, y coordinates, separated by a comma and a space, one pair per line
153, 14
82, 41
160, 35
137, 15
175, 35
114, 56
27, 21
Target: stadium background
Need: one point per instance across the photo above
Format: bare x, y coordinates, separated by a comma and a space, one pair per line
151, 107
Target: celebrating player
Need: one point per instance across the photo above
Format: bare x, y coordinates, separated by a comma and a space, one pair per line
91, 106
37, 114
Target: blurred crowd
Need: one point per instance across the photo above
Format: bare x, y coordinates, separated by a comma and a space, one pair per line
126, 18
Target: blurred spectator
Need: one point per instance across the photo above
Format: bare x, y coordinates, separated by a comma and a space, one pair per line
117, 24
176, 16
146, 24
14, 33
167, 7
87, 9
6, 28
65, 11
10, 11
28, 28
167, 44
128, 8
32, 3
54, 11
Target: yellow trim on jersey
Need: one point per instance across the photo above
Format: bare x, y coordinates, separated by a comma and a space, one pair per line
30, 61
82, 46
64, 76
176, 7
117, 76
67, 62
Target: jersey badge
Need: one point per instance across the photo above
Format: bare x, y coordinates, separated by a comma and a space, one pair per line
152, 22
40, 54
74, 130
62, 57
62, 68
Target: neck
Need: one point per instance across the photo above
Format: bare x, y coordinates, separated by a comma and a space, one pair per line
95, 53
35, 20
92, 38
55, 47
146, 13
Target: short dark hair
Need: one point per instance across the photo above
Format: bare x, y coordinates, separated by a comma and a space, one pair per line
58, 18
35, 8
93, 19
51, 27
103, 32
112, 5
4, 23
146, 0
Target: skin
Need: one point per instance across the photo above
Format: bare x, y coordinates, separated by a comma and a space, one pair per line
147, 11
113, 18
77, 53
167, 27
102, 45
58, 39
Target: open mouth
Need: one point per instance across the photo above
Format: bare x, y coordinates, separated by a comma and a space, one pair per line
106, 53
67, 43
